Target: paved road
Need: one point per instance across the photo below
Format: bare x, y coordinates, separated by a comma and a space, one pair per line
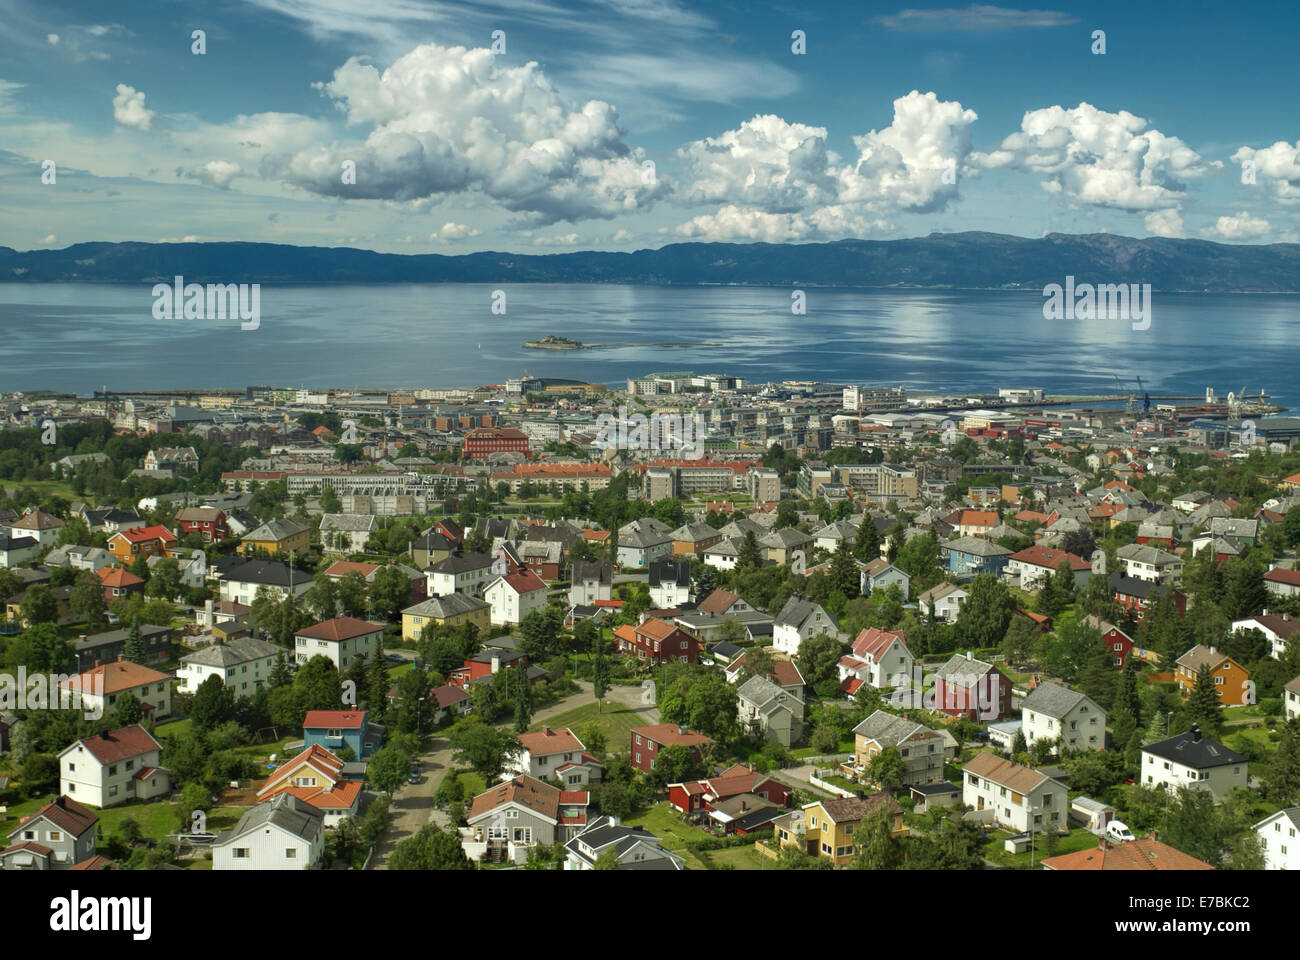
412, 806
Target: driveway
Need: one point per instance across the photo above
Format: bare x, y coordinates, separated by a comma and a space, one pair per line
412, 806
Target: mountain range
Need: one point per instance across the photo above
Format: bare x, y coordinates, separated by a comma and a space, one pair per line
941, 260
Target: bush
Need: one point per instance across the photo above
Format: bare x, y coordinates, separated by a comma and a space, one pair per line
1270, 706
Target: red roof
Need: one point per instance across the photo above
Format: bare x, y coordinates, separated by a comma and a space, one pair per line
110, 678
117, 577
141, 534
548, 741
66, 814
447, 695
669, 734
1278, 575
340, 568
322, 761
115, 745
874, 642
332, 719
1046, 557
339, 796
1145, 853
339, 629
850, 685
525, 582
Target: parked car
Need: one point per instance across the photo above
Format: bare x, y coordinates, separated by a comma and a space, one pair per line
1118, 832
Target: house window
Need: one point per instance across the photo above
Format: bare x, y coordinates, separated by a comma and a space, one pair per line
291, 853
239, 853
826, 848
56, 835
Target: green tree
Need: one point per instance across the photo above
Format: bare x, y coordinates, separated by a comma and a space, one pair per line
39, 604
877, 846
523, 700
749, 557
1203, 706
213, 705
389, 592
698, 697
86, 601
945, 845
887, 769
135, 649
1018, 642
1283, 784
866, 547
483, 748
986, 614
844, 575
817, 659
127, 711
757, 662
164, 580
430, 849
330, 502
388, 768
607, 860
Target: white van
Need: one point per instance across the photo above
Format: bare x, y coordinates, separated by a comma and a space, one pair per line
1117, 832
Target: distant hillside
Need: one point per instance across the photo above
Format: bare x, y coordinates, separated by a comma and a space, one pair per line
955, 260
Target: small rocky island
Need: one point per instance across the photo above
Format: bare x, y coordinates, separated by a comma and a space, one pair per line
552, 342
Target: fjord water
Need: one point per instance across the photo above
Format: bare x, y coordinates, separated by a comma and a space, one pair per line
77, 337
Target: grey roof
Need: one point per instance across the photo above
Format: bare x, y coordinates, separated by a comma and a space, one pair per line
1145, 553
784, 538
977, 547
796, 612
1193, 750
147, 630
1052, 701
349, 522
233, 652
961, 665
284, 811
723, 548
604, 833
691, 532
887, 729
251, 570
760, 691
462, 562
446, 605
279, 529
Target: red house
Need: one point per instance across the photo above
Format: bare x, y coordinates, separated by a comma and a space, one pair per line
207, 522
1136, 596
966, 687
118, 583
449, 529
648, 741
657, 641
700, 796
487, 440
492, 661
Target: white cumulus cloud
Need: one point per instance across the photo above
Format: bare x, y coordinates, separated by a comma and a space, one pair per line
1164, 223
129, 109
450, 231
216, 173
445, 120
1101, 158
1242, 226
1278, 165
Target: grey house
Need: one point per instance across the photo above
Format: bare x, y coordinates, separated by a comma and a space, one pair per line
770, 711
55, 837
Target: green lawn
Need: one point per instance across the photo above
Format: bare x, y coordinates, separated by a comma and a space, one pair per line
473, 784
614, 720
1075, 840
740, 858
666, 824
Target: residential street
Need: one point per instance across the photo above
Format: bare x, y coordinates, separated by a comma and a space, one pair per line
412, 806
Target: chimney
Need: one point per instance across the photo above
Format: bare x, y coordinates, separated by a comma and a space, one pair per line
968, 655
681, 730
60, 801
1196, 733
496, 662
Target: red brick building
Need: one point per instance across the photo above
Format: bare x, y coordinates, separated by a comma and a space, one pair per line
207, 522
657, 641
648, 741
487, 440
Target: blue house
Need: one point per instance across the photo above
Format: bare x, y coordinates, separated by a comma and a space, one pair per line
336, 730
971, 556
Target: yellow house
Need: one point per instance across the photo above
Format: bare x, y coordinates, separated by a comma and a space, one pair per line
826, 828
452, 609
277, 536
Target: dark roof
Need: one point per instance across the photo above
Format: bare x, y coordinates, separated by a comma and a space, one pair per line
1193, 750
666, 571
1133, 587
271, 573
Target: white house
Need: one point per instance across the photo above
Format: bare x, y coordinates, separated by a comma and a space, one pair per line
466, 573
1282, 582
241, 579
1021, 799
39, 525
723, 554
670, 583
1193, 761
284, 833
112, 767
798, 620
830, 537
347, 532
884, 657
1281, 844
1276, 627
1291, 699
341, 639
1035, 564
1057, 713
515, 596
1145, 562
101, 687
548, 751
55, 837
591, 580
243, 664
637, 847
942, 602
15, 551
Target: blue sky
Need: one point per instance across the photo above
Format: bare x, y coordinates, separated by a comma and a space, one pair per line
621, 125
